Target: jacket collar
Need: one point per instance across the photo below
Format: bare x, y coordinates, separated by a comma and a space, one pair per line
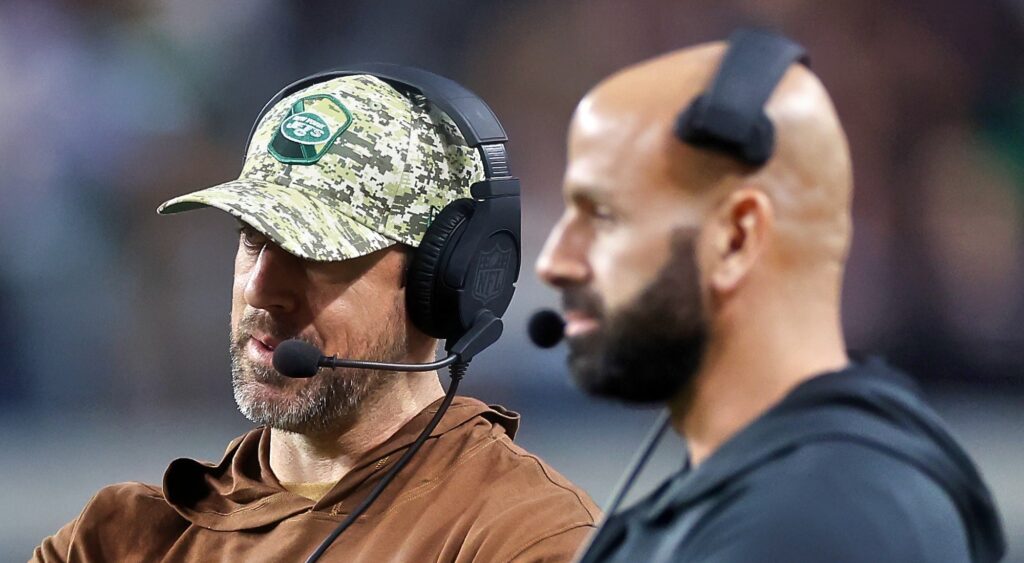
241, 491
854, 392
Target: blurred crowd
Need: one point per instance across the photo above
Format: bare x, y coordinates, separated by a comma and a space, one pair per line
109, 107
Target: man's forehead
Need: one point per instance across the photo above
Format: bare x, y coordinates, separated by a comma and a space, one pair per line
601, 126
617, 152
613, 152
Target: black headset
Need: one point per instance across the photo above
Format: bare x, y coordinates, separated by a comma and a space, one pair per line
729, 116
462, 276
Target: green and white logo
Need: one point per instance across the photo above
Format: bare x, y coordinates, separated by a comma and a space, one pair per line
310, 129
306, 128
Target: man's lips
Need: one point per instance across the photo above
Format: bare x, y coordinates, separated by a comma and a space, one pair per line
577, 323
260, 348
266, 341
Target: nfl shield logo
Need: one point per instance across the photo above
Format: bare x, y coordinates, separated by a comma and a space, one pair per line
490, 275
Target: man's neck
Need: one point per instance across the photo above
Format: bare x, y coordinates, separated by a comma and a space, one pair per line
742, 377
327, 457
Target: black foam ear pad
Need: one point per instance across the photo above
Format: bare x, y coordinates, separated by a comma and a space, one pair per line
424, 296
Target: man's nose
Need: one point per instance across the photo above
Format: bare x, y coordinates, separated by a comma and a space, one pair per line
563, 261
274, 283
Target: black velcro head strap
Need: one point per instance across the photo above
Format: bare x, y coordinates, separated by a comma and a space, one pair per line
729, 116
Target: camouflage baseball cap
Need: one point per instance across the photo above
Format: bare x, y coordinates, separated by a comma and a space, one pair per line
344, 168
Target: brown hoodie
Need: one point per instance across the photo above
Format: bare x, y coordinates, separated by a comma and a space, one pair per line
470, 494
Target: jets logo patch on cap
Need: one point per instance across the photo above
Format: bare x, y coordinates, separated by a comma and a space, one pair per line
310, 129
305, 128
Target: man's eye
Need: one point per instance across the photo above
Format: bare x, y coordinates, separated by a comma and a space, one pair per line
251, 238
602, 213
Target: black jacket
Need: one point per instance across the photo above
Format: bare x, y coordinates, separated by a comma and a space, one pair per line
851, 466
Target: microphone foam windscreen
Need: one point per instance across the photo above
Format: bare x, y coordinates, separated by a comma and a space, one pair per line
295, 358
546, 328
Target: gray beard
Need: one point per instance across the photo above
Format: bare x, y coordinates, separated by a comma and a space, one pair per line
319, 404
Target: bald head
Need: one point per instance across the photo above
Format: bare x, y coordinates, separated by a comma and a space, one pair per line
629, 118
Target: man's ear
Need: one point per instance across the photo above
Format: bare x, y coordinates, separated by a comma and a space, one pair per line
737, 236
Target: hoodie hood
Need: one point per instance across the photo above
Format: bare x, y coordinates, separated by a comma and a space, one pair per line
868, 403
242, 492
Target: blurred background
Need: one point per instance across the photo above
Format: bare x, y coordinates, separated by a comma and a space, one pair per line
114, 322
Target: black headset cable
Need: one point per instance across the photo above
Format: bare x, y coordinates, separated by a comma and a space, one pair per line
456, 371
625, 483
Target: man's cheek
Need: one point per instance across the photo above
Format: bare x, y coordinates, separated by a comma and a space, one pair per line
618, 288
236, 315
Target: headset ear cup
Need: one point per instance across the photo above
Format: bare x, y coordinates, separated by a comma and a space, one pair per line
423, 291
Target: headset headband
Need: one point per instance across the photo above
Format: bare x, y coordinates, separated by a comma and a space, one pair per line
474, 118
729, 116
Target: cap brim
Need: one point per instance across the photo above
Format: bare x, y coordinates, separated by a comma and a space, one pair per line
294, 218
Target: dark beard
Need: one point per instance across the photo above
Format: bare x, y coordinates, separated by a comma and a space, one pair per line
651, 349
316, 405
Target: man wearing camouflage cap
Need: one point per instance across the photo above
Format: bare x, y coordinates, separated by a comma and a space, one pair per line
340, 180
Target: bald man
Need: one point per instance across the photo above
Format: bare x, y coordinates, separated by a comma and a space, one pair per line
697, 276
